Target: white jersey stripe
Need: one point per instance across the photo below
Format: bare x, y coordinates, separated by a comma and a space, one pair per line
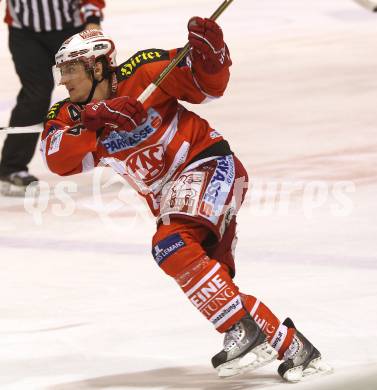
76, 15
49, 15
66, 11
58, 17
170, 132
13, 13
25, 14
179, 159
17, 5
46, 15
36, 21
255, 308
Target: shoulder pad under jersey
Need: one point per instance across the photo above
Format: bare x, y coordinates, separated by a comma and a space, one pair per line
54, 110
142, 57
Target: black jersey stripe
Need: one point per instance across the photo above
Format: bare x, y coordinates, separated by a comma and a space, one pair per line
45, 15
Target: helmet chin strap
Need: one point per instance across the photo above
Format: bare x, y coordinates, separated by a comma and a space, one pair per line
93, 89
91, 93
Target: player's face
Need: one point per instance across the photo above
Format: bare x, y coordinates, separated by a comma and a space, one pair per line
77, 81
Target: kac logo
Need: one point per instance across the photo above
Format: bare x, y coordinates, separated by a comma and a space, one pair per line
146, 164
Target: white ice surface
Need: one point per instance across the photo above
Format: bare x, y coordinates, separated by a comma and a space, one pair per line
82, 303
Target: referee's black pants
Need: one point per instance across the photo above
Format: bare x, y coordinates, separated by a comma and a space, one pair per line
33, 55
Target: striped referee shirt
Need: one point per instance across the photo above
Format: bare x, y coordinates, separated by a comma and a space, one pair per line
52, 15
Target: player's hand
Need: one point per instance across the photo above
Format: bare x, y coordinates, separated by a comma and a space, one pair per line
207, 43
121, 113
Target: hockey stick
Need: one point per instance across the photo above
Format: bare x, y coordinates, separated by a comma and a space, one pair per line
178, 58
368, 4
22, 129
146, 93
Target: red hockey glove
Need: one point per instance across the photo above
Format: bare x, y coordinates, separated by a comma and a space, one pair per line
207, 43
122, 113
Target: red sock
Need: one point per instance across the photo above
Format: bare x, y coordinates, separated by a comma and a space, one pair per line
278, 335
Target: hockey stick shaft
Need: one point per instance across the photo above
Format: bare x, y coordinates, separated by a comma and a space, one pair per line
22, 129
178, 58
146, 93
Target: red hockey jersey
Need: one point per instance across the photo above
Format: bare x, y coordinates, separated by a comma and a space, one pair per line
157, 151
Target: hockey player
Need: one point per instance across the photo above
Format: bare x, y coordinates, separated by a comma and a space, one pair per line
185, 170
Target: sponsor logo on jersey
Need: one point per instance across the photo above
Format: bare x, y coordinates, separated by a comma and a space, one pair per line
167, 247
146, 164
182, 195
55, 141
218, 188
118, 141
141, 58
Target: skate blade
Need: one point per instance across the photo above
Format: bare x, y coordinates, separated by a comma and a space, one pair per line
257, 357
316, 367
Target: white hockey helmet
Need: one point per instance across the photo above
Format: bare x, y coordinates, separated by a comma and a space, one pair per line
86, 47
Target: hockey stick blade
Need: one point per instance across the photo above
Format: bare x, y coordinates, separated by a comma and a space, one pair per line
368, 4
21, 130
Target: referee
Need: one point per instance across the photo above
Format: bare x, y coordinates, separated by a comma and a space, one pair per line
37, 28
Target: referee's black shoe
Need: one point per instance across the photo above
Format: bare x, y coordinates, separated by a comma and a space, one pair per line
15, 183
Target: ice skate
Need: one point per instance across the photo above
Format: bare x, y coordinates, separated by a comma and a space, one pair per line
15, 184
245, 348
301, 359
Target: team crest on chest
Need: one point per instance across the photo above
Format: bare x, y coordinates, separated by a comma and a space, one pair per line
146, 164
